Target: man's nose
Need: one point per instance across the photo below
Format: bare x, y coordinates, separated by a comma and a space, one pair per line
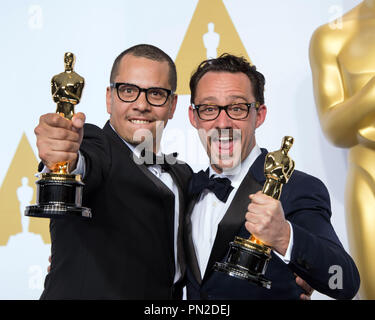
141, 104
223, 121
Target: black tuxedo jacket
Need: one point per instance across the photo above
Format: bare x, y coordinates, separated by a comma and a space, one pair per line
126, 251
316, 247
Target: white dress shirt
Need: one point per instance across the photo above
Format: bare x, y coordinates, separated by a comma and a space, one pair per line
209, 211
165, 177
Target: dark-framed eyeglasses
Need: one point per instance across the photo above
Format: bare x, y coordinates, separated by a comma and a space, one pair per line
235, 111
128, 92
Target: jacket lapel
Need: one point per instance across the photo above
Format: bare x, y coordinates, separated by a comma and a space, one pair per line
257, 169
181, 193
191, 258
168, 199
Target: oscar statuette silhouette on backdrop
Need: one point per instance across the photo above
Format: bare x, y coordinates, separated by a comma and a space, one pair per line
59, 193
342, 59
211, 41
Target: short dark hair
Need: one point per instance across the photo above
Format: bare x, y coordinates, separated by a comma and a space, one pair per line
150, 52
229, 63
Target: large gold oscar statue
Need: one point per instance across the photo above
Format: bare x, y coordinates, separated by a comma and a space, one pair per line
342, 57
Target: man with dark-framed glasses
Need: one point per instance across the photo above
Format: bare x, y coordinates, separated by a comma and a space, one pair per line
132, 246
227, 106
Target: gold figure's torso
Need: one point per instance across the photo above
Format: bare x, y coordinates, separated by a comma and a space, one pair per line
66, 92
278, 167
350, 59
343, 67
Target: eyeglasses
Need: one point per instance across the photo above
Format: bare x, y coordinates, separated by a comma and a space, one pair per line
235, 111
128, 92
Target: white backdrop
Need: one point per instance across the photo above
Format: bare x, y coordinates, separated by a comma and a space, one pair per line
35, 34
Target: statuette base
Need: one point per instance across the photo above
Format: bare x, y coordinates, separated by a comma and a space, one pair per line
58, 196
246, 261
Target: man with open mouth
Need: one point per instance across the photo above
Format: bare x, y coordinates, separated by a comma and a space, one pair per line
227, 106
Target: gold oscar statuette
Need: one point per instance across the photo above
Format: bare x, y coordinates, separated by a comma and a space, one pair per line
343, 68
248, 259
59, 193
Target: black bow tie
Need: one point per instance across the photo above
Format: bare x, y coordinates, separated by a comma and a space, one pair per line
165, 161
221, 187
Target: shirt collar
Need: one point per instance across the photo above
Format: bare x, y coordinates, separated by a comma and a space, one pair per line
237, 174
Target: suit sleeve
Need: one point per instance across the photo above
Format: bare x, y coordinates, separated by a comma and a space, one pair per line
95, 148
318, 256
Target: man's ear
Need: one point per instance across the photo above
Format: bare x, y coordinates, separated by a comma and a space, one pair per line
192, 118
108, 100
261, 115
